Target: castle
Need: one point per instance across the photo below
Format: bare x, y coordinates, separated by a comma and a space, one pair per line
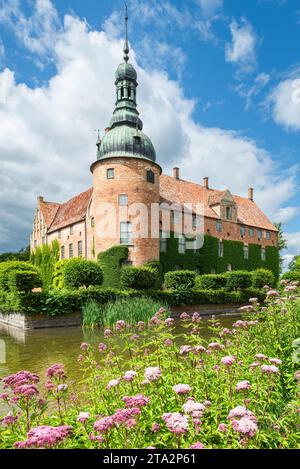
237, 234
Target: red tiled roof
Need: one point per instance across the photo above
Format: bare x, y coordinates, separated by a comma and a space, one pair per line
49, 210
179, 191
72, 211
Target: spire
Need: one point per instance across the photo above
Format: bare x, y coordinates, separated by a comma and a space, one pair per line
126, 45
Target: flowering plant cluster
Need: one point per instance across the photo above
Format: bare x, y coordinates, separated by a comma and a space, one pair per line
159, 386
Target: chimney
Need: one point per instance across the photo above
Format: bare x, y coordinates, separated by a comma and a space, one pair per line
251, 193
107, 129
206, 183
40, 199
176, 173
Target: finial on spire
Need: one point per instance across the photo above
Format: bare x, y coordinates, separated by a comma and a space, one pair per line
126, 45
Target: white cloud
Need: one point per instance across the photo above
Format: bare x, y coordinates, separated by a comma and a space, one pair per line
242, 49
210, 7
285, 102
293, 247
286, 214
47, 139
250, 92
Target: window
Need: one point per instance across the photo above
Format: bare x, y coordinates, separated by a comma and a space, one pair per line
71, 251
163, 242
62, 252
229, 267
175, 216
268, 235
213, 270
150, 176
181, 245
110, 173
251, 232
242, 231
79, 248
220, 249
259, 234
123, 199
246, 251
219, 226
196, 221
93, 222
71, 230
228, 213
263, 254
126, 232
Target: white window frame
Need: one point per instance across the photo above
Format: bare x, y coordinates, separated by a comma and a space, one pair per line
123, 200
181, 245
126, 240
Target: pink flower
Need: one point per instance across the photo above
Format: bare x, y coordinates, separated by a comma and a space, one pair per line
104, 425
155, 320
83, 417
155, 427
275, 361
260, 356
297, 375
253, 300
181, 389
272, 293
223, 428
168, 342
153, 373
84, 346
198, 349
215, 346
197, 445
254, 365
196, 317
107, 333
228, 361
242, 324
129, 376
176, 423
269, 369
245, 426
130, 423
120, 325
113, 383
62, 388
56, 370
19, 379
10, 419
136, 401
102, 348
243, 385
170, 322
240, 412
4, 396
45, 437
135, 337
141, 325
27, 390
190, 407
185, 349
121, 416
184, 316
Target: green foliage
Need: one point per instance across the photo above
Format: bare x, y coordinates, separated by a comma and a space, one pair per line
156, 265
238, 280
45, 257
295, 264
211, 282
184, 279
111, 263
12, 266
282, 243
82, 273
58, 274
262, 277
293, 275
22, 255
92, 314
23, 281
207, 257
140, 278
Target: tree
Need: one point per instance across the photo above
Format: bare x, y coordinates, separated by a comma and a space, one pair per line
282, 243
295, 264
22, 255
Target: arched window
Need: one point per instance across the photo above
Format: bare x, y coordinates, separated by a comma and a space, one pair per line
129, 93
150, 176
220, 248
122, 92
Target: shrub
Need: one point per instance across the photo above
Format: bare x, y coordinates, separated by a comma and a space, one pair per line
13, 266
58, 274
238, 280
292, 275
23, 281
156, 265
262, 277
211, 282
180, 279
45, 257
111, 263
82, 273
140, 278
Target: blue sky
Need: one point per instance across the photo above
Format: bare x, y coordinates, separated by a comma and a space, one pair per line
218, 81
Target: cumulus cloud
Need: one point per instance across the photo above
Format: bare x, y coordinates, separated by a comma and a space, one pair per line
47, 139
293, 249
242, 49
284, 101
210, 7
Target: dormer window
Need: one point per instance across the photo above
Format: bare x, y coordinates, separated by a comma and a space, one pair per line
228, 213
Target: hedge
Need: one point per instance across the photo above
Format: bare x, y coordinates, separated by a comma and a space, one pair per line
180, 279
22, 281
207, 257
13, 266
262, 277
156, 265
45, 257
292, 275
111, 263
82, 273
58, 274
238, 280
211, 282
139, 278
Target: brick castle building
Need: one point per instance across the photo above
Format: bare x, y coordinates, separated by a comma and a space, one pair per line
237, 233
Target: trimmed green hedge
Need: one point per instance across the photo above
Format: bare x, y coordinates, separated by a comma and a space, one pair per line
156, 265
211, 282
263, 277
111, 263
82, 273
184, 279
21, 281
238, 280
207, 258
13, 266
140, 278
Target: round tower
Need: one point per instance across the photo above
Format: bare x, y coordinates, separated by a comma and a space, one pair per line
125, 178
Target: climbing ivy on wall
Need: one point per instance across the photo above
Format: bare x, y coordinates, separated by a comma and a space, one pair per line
207, 257
111, 263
